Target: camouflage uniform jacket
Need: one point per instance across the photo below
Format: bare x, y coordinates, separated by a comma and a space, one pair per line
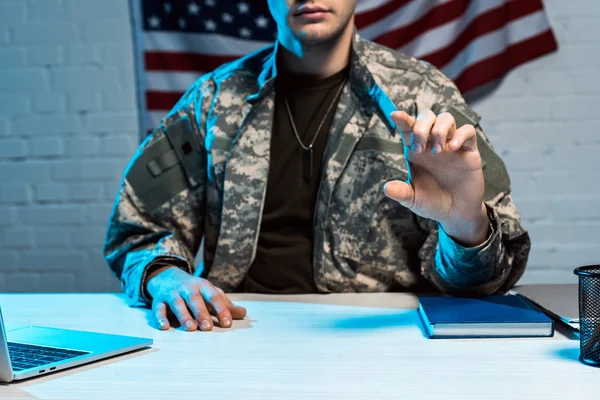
202, 175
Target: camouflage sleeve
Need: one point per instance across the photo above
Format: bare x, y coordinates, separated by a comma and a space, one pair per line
497, 264
158, 213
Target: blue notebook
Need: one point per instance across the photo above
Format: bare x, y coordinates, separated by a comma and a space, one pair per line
488, 316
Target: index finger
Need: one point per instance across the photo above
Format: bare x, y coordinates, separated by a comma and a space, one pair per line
404, 124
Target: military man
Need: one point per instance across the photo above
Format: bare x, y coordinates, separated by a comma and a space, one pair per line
323, 163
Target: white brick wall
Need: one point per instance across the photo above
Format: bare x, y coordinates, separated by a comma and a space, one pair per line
68, 126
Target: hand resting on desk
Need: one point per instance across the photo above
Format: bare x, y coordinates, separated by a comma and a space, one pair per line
170, 287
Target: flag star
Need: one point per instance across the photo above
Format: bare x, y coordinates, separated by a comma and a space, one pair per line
243, 8
227, 18
167, 7
181, 23
245, 32
154, 22
210, 3
261, 21
193, 8
210, 25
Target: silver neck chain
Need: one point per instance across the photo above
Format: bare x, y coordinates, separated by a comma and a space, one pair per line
289, 111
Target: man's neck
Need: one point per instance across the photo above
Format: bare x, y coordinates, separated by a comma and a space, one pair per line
317, 60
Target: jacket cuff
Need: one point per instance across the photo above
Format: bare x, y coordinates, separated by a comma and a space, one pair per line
138, 265
466, 267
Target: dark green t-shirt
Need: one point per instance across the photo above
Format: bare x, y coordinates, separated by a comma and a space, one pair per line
283, 262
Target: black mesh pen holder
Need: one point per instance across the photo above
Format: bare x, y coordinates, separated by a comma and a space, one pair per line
589, 314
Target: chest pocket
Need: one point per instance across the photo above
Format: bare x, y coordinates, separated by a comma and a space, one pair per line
374, 162
359, 199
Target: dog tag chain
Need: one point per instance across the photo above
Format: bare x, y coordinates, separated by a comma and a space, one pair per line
307, 151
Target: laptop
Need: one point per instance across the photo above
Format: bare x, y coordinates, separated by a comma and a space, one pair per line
34, 350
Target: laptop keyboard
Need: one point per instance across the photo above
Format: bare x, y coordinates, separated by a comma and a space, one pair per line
25, 356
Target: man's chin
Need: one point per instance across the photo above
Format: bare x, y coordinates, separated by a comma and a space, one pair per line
314, 35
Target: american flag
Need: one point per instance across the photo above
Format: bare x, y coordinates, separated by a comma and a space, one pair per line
472, 41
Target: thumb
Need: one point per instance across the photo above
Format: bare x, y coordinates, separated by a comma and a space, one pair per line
400, 191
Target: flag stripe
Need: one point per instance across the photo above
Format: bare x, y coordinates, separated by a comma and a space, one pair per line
410, 13
489, 22
495, 42
164, 81
367, 18
210, 43
152, 118
364, 6
442, 35
495, 67
184, 62
435, 17
157, 100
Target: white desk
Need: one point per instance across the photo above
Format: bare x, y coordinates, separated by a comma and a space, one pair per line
288, 348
